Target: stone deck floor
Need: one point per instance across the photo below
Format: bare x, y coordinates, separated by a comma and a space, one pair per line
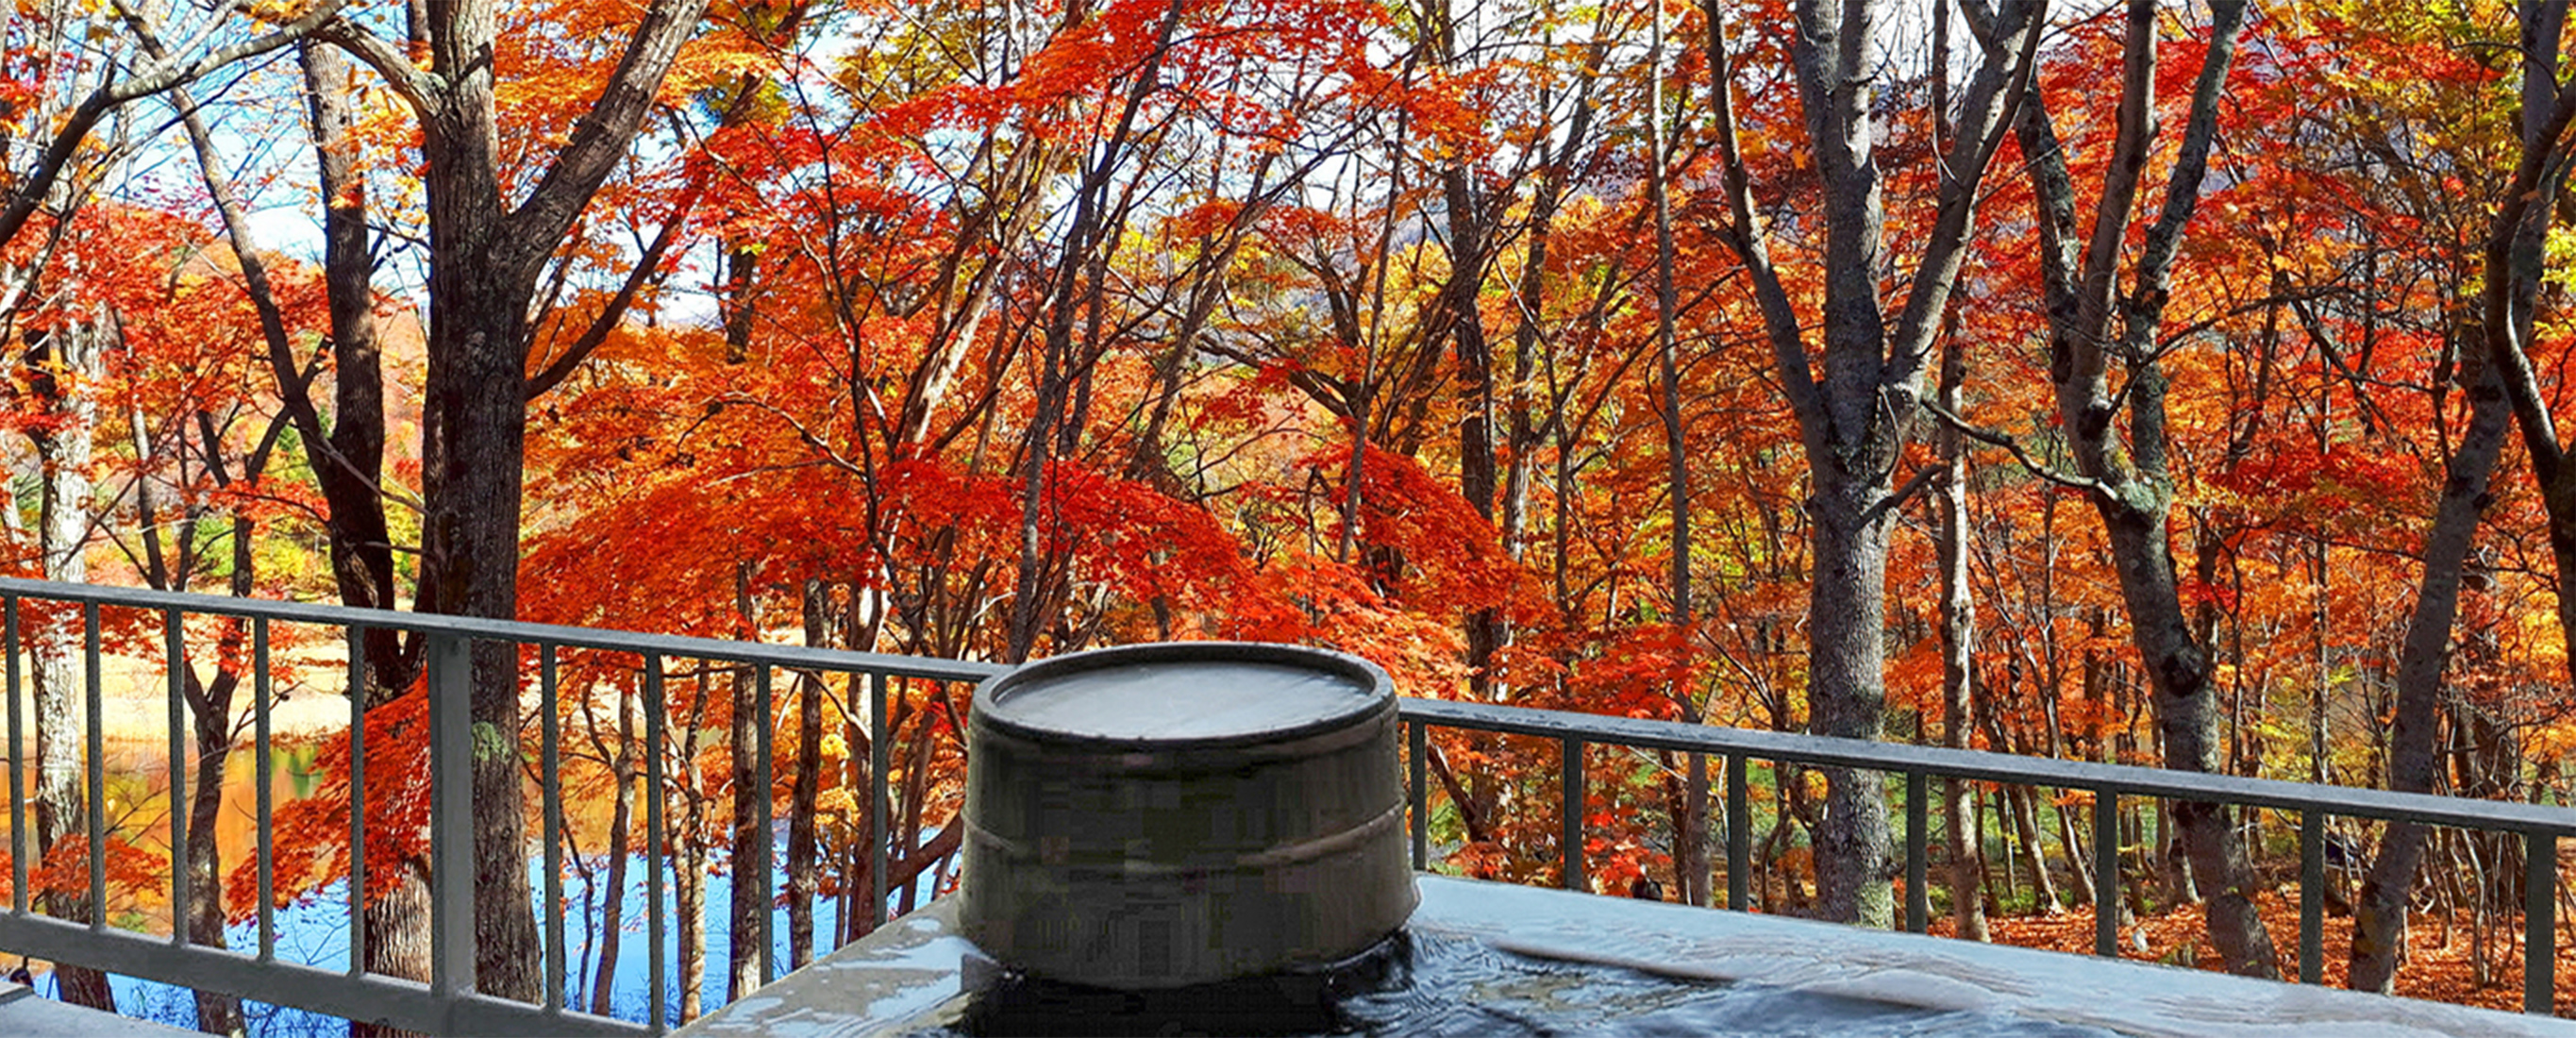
25, 1014
895, 978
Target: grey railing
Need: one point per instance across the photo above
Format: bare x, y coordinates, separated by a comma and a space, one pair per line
2540, 826
448, 1003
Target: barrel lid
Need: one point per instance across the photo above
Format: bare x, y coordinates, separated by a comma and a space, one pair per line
1184, 693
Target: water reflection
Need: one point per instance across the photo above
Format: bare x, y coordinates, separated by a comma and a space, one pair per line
313, 929
137, 802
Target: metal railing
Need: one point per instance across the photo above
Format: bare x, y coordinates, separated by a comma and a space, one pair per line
448, 1002
2539, 826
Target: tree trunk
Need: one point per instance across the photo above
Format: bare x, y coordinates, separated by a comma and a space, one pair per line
211, 705
1855, 414
2078, 865
2129, 483
348, 462
621, 834
803, 861
2514, 261
1958, 646
2318, 772
2002, 814
396, 919
687, 857
2053, 694
2379, 912
474, 436
484, 260
1845, 696
1485, 631
907, 835
861, 909
2187, 718
348, 466
748, 894
2023, 808
63, 449
1986, 904
216, 1013
689, 842
1055, 417
1464, 318
1691, 869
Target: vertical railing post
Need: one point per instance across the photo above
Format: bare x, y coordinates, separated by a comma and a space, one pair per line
1918, 895
94, 687
2539, 923
1570, 802
879, 758
2106, 872
550, 791
1739, 836
657, 844
2312, 895
764, 771
17, 766
449, 662
1418, 792
174, 664
357, 801
264, 802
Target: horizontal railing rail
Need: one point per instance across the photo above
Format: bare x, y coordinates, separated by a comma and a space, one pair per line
2539, 825
447, 1002
674, 646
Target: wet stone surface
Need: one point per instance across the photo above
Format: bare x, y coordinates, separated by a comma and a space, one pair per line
25, 1014
1489, 958
1437, 984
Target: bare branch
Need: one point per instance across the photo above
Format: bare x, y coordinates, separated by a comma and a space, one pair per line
85, 117
423, 90
1923, 477
2012, 445
1745, 238
599, 140
1993, 104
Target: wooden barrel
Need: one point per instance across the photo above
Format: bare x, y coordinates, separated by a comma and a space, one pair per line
1155, 816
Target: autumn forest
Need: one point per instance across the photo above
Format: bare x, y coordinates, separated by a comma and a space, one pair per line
2156, 383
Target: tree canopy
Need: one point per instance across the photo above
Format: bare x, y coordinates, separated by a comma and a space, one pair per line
2152, 383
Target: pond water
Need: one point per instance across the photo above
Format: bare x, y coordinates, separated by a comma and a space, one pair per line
315, 930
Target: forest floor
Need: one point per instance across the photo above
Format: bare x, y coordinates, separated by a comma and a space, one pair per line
2440, 967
